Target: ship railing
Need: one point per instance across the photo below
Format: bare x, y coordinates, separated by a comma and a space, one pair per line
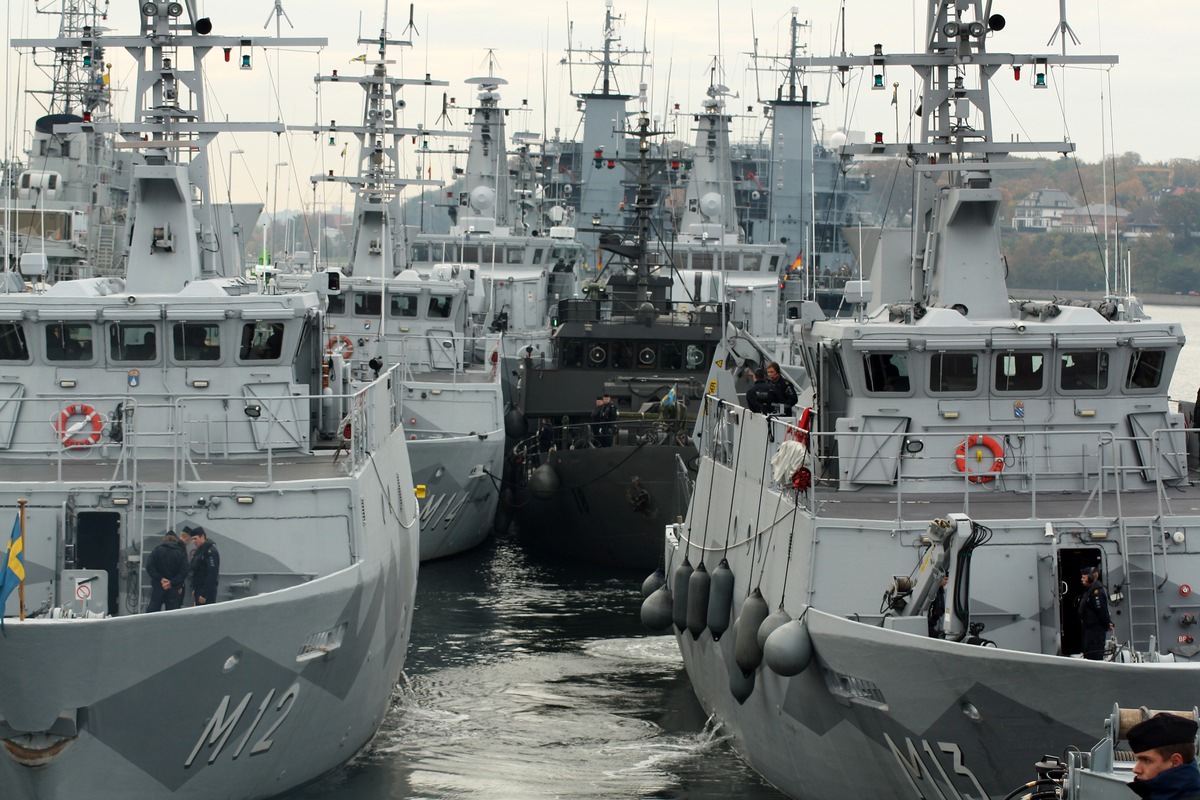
196, 433
619, 309
450, 356
1094, 467
535, 449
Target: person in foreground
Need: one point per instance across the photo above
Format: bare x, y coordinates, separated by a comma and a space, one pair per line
1164, 749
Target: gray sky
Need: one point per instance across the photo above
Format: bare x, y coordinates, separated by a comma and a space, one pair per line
1103, 110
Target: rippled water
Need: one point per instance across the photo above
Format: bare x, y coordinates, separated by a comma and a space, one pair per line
528, 679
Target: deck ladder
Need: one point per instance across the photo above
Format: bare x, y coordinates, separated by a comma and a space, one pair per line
1141, 580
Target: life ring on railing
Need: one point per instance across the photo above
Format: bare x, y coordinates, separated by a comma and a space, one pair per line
338, 342
960, 457
66, 433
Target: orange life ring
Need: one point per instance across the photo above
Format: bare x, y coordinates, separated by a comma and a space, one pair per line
960, 457
343, 342
62, 428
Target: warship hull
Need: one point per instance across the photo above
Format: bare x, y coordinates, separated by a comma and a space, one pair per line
609, 506
459, 508
886, 713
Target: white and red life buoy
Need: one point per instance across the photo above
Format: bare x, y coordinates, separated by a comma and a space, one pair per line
72, 436
339, 342
984, 474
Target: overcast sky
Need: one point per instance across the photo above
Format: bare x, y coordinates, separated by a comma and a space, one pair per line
1143, 104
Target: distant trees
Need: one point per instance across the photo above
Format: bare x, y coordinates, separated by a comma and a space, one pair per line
1162, 198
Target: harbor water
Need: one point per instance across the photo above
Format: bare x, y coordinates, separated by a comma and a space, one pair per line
534, 679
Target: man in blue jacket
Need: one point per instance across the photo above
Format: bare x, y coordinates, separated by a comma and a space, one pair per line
168, 568
1164, 750
206, 566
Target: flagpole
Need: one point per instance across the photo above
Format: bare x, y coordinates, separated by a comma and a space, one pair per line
21, 587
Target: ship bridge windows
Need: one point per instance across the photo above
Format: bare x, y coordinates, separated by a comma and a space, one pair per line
132, 341
1146, 369
953, 372
261, 341
672, 355
69, 341
367, 304
515, 255
886, 372
196, 341
1083, 370
1019, 372
439, 307
572, 353
403, 305
337, 305
12, 342
622, 353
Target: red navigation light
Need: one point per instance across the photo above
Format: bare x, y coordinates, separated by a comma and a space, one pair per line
1016, 72
878, 137
228, 52
611, 163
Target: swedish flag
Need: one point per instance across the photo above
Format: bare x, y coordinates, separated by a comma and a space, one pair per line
669, 397
13, 574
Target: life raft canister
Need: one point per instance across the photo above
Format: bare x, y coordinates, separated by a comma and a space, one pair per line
66, 433
977, 441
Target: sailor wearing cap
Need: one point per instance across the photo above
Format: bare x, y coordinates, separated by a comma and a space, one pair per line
1093, 613
1164, 749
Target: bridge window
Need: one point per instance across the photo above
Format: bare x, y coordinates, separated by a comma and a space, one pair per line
69, 341
439, 307
1146, 369
337, 305
1019, 372
132, 342
261, 341
403, 305
886, 372
672, 355
1083, 370
196, 341
367, 304
953, 372
12, 342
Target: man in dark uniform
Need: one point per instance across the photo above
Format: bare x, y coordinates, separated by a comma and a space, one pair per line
937, 611
761, 395
206, 567
1093, 613
168, 568
608, 416
1164, 753
785, 392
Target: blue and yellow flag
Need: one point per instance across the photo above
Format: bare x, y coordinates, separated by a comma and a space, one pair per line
13, 574
669, 397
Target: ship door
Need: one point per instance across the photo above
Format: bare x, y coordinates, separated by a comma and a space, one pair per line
98, 546
1071, 564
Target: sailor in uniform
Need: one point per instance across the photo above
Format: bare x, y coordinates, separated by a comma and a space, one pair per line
1164, 753
1093, 614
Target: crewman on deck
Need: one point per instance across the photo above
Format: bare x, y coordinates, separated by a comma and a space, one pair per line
168, 569
1164, 752
1093, 614
937, 611
206, 567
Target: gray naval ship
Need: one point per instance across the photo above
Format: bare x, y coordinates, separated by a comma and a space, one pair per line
68, 201
178, 396
951, 434
612, 485
387, 314
518, 242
